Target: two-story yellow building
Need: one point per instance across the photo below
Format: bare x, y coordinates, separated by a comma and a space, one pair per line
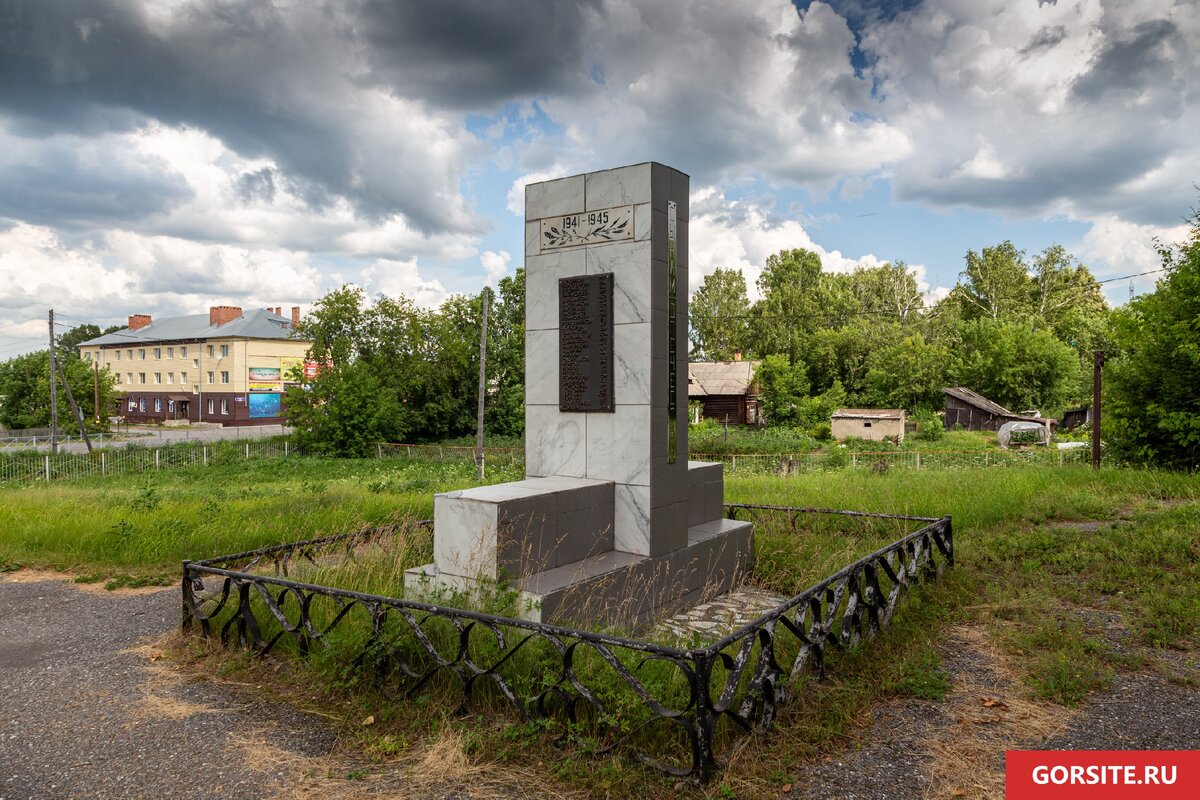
226, 367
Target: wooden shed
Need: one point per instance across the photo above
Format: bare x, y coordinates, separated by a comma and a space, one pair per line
972, 411
875, 424
725, 390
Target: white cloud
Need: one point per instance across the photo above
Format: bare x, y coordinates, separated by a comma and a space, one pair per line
495, 265
1114, 248
733, 234
403, 277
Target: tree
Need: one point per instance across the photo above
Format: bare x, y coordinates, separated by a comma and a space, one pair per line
68, 343
1016, 366
995, 284
1151, 395
889, 291
909, 373
784, 386
344, 412
798, 298
720, 316
25, 389
504, 413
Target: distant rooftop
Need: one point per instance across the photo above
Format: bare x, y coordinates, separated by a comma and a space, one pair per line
869, 413
258, 323
710, 378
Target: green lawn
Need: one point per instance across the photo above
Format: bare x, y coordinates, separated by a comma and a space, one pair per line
1034, 546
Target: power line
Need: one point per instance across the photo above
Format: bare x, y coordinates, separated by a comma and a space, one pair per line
1135, 275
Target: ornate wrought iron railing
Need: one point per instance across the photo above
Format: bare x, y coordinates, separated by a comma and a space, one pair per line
671, 707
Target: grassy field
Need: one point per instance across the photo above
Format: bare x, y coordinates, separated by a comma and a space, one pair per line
1035, 549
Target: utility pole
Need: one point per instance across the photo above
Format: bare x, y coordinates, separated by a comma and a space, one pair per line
96, 387
482, 385
62, 376
1097, 364
53, 389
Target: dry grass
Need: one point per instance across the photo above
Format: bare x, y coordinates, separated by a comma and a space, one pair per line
27, 575
990, 715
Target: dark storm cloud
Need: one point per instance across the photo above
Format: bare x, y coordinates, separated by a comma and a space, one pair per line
268, 83
60, 186
478, 53
1089, 176
1130, 65
1045, 39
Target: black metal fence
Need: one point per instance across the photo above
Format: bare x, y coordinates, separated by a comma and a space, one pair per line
672, 708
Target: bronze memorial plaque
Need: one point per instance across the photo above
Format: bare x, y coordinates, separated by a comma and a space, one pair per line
585, 343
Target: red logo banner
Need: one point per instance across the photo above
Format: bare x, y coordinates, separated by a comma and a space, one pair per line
1101, 774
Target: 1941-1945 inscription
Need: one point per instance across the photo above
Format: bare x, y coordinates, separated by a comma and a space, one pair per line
585, 344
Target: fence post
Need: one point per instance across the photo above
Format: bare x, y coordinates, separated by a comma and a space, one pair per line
204, 452
734, 467
285, 444
986, 459
918, 459
378, 451
853, 460
247, 449
102, 464
156, 453
47, 469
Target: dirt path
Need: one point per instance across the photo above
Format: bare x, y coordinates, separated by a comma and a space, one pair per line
954, 748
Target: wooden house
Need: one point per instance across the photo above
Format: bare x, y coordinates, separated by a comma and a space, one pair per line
971, 411
725, 390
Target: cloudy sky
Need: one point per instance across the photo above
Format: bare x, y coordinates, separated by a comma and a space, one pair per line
161, 156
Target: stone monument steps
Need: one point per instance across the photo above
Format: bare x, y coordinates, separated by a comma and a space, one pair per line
622, 587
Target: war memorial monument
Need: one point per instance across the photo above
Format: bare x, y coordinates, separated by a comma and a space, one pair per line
612, 523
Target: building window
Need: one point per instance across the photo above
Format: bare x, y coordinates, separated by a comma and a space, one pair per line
170, 352
224, 376
196, 363
118, 355
171, 406
210, 377
141, 377
132, 404
210, 406
157, 405
158, 377
183, 377
142, 353
183, 352
210, 351
158, 352
224, 406
142, 405
87, 355
224, 350
170, 377
129, 378
130, 352
866, 424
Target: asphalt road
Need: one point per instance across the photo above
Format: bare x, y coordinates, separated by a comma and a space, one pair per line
84, 715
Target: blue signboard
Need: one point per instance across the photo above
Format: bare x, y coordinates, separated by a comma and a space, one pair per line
264, 405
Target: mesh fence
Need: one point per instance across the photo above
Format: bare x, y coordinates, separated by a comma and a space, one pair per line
27, 467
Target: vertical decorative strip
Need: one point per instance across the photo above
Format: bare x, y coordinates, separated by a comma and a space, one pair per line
672, 344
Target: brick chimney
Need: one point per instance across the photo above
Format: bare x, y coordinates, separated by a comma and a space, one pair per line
139, 321
219, 315
295, 317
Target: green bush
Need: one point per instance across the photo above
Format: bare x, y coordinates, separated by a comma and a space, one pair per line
929, 426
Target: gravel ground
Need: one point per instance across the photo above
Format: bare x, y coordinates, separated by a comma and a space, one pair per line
74, 716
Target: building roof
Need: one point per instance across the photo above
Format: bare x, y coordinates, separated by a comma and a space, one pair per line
257, 323
710, 378
869, 413
982, 403
978, 400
